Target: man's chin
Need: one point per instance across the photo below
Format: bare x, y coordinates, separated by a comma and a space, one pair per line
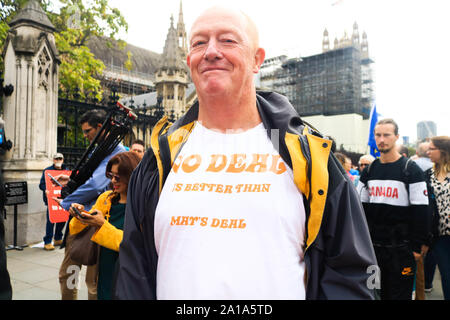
214, 89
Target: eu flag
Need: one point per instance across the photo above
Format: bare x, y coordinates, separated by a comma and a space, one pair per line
372, 144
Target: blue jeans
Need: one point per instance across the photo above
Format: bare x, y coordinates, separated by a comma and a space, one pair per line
49, 230
441, 252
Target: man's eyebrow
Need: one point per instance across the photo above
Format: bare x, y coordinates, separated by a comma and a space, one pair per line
205, 33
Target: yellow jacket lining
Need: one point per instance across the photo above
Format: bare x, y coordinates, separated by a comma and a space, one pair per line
107, 236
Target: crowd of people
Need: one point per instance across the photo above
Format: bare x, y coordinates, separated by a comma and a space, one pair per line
406, 202
217, 208
396, 208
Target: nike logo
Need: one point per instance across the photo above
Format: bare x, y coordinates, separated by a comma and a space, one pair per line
407, 272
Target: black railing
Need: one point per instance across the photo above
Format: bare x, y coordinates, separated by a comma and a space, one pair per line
71, 142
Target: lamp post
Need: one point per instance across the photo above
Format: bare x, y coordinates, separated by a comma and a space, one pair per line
114, 97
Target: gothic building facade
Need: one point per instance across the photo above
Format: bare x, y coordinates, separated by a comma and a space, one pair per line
172, 76
155, 78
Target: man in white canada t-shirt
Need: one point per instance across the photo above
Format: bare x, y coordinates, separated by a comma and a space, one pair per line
239, 199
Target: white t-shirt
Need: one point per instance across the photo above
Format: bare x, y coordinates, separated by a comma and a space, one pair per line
230, 222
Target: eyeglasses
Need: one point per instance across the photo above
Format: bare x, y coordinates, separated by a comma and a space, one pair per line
87, 131
58, 159
112, 176
363, 164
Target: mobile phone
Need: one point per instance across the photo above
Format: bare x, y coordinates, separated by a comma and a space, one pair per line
78, 213
54, 180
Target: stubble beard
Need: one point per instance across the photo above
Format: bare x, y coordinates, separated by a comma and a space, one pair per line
385, 150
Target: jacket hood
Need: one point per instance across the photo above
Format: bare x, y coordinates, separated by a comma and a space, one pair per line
277, 114
275, 110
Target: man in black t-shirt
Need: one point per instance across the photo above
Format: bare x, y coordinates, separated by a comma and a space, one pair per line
394, 196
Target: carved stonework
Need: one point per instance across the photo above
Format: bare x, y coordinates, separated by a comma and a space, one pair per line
172, 76
30, 113
44, 64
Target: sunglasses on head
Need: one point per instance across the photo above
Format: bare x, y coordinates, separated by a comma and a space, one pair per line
111, 175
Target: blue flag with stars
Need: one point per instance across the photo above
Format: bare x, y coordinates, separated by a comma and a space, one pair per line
372, 144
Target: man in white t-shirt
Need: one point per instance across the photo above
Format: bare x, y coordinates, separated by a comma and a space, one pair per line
239, 199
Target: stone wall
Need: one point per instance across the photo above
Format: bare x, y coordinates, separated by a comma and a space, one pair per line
30, 115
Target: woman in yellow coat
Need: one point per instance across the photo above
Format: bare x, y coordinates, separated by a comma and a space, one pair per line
110, 209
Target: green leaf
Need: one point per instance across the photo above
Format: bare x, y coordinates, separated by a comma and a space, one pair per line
76, 22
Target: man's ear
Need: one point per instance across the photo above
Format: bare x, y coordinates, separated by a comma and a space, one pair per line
188, 61
259, 59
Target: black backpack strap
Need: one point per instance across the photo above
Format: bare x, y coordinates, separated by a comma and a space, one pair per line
405, 169
406, 175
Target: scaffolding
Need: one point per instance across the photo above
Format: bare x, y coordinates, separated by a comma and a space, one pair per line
335, 82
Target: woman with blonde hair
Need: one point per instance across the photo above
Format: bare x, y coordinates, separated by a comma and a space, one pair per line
439, 179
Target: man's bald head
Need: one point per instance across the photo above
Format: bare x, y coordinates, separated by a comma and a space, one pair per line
224, 55
252, 30
422, 149
247, 23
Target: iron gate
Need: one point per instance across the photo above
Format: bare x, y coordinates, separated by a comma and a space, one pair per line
71, 142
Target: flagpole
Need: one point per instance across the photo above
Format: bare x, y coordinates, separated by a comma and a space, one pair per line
372, 123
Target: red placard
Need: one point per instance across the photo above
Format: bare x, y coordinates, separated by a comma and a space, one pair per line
55, 212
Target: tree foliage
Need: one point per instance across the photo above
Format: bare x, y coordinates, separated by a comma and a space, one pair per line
75, 21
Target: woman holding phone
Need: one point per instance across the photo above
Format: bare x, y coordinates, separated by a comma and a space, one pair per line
107, 215
439, 179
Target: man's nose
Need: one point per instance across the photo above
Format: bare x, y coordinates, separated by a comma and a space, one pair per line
212, 51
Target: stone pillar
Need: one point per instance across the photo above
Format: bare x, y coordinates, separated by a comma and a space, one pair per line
30, 114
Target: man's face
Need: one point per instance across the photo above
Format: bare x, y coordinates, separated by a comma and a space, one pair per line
385, 137
223, 56
363, 163
57, 162
90, 132
138, 148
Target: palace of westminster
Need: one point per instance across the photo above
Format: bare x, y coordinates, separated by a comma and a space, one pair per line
335, 86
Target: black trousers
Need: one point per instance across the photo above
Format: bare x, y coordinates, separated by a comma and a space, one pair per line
397, 271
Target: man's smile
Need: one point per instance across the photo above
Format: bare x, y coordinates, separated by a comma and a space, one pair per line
212, 68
